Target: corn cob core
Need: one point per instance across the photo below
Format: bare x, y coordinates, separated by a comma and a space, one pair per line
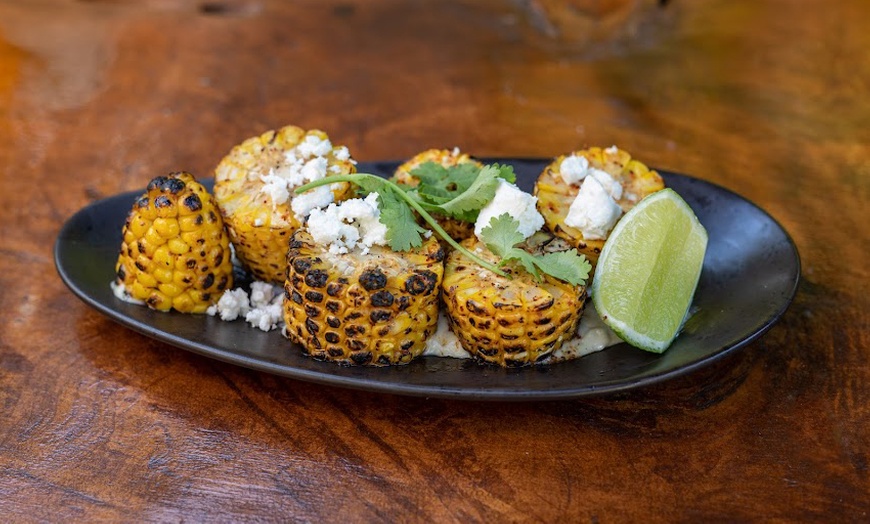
260, 228
175, 253
555, 196
457, 229
376, 309
510, 322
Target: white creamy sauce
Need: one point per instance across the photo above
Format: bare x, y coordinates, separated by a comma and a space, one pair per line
592, 335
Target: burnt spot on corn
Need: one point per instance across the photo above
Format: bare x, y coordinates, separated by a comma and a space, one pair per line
332, 306
301, 265
474, 307
314, 296
547, 304
421, 282
362, 358
333, 322
140, 266
317, 278
333, 289
335, 352
191, 263
192, 202
311, 326
353, 316
332, 337
380, 315
162, 201
296, 297
404, 302
382, 298
407, 345
143, 202
312, 311
356, 345
208, 281
373, 279
354, 330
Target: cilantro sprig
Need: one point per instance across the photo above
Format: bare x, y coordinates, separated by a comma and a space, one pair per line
459, 192
502, 236
403, 232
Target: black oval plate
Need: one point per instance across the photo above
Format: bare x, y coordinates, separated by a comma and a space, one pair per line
750, 275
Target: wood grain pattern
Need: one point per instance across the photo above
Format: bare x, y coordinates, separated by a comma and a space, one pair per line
770, 99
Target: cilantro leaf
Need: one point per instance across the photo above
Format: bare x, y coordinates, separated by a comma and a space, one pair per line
459, 191
569, 266
501, 237
476, 196
403, 232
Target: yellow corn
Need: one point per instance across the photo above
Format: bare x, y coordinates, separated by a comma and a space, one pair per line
509, 321
162, 266
258, 227
555, 196
376, 309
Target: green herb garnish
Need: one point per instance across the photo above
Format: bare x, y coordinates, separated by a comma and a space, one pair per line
502, 236
459, 192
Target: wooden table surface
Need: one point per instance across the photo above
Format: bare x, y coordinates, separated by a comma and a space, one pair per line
770, 99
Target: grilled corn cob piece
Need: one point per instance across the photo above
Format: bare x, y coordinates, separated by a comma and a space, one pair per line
175, 252
555, 196
259, 214
457, 229
510, 322
375, 309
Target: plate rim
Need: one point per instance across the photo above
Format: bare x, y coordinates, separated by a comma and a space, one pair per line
398, 388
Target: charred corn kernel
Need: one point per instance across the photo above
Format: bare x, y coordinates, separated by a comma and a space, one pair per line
555, 196
259, 225
457, 229
510, 322
376, 309
168, 268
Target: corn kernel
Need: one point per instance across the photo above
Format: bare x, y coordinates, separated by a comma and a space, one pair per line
170, 289
162, 274
188, 223
166, 227
183, 303
159, 301
153, 237
146, 279
163, 257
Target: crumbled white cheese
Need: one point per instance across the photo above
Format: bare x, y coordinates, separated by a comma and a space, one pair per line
612, 150
232, 304
341, 153
352, 224
611, 185
313, 145
315, 198
573, 169
304, 163
314, 169
593, 212
517, 203
262, 309
276, 187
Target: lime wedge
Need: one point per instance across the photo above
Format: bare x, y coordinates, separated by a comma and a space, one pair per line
649, 269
